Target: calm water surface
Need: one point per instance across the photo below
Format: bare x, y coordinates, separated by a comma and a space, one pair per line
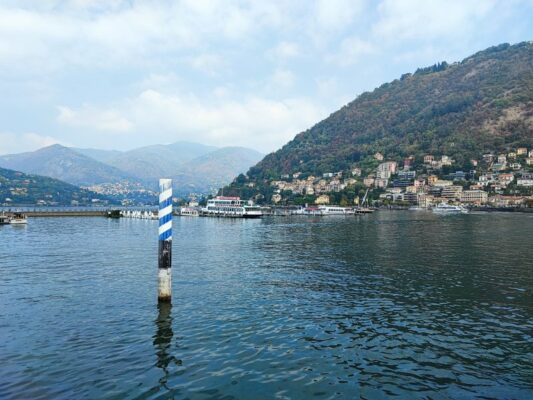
396, 304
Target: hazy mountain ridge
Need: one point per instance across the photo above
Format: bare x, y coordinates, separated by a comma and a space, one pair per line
209, 172
153, 162
196, 168
65, 164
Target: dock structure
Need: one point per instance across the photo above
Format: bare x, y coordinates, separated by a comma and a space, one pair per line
165, 241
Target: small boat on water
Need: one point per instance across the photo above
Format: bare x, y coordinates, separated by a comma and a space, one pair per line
417, 208
189, 212
364, 210
335, 210
445, 208
18, 219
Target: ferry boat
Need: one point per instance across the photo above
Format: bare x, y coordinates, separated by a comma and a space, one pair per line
232, 207
18, 219
189, 212
444, 208
335, 210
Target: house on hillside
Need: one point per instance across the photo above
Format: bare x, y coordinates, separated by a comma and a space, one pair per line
323, 199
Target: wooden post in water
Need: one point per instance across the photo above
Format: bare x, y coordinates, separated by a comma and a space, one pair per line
165, 241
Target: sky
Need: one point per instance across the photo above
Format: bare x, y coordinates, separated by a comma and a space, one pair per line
120, 74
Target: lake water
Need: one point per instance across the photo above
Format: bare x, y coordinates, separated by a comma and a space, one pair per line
395, 304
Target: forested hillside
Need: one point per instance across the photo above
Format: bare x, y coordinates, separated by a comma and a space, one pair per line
483, 103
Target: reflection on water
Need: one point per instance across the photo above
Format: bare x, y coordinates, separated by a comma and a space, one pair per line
163, 341
394, 304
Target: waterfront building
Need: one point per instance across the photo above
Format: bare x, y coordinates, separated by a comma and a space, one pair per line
521, 151
474, 197
442, 183
322, 199
451, 192
435, 191
412, 198
424, 200
529, 160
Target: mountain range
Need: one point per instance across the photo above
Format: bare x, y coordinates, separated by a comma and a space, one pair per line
196, 168
481, 104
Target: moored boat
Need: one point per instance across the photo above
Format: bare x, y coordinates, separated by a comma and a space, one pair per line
336, 210
18, 219
188, 212
445, 208
230, 207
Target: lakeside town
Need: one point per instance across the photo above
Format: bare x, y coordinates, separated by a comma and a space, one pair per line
497, 180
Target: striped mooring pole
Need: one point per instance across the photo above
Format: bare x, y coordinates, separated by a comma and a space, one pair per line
165, 241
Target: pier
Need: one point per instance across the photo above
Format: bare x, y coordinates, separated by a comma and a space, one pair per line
76, 211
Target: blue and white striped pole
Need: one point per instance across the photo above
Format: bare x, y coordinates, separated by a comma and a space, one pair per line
165, 240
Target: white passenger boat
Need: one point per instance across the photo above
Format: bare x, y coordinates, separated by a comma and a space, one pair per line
232, 207
444, 208
189, 212
18, 219
335, 210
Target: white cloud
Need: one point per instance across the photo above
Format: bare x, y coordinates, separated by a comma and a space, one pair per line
256, 122
19, 142
352, 50
91, 117
273, 68
210, 64
282, 79
334, 15
420, 19
285, 50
